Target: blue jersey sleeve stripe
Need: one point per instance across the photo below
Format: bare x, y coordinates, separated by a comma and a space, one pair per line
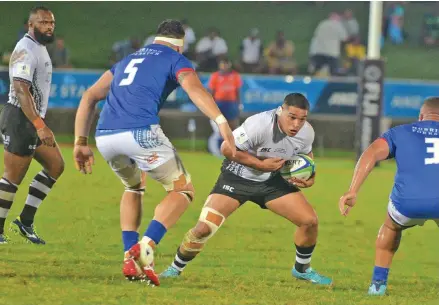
183, 70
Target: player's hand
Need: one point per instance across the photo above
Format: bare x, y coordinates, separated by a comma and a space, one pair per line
302, 183
228, 137
347, 202
83, 158
271, 164
46, 136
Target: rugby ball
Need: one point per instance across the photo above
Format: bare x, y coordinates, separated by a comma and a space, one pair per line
299, 166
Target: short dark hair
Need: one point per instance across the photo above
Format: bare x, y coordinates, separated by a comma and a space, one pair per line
171, 28
432, 102
297, 100
36, 9
225, 59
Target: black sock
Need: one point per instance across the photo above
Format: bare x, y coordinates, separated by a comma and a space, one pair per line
27, 215
181, 261
38, 190
7, 194
303, 258
2, 225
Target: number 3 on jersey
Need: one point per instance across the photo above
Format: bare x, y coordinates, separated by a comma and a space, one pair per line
131, 70
433, 149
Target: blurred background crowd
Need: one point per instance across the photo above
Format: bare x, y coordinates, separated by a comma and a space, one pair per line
317, 38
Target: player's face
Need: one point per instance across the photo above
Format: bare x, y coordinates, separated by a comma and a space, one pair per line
292, 119
43, 26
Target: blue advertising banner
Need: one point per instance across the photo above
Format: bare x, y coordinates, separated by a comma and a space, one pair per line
402, 98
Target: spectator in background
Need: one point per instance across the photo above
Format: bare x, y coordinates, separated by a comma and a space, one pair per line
59, 54
189, 39
251, 53
325, 46
280, 56
124, 48
209, 50
430, 29
350, 24
355, 53
225, 85
396, 24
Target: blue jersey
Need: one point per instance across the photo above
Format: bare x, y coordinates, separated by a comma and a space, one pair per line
415, 148
141, 83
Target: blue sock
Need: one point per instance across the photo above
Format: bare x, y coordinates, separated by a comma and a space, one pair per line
130, 238
155, 231
380, 274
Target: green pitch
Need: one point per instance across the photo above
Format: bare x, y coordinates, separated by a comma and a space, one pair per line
247, 262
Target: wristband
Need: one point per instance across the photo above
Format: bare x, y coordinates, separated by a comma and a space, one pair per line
81, 141
220, 119
38, 123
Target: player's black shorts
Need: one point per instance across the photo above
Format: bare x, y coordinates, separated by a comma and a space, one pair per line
19, 134
243, 190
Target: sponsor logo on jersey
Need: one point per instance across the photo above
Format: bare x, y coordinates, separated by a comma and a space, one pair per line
228, 188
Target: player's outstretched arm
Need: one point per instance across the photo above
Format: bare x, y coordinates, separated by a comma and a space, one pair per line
377, 151
190, 82
27, 104
244, 158
82, 154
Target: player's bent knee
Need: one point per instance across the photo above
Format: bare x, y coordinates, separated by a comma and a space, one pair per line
201, 230
212, 218
138, 188
186, 190
208, 224
58, 170
311, 221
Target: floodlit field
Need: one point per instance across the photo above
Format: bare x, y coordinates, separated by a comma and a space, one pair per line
247, 262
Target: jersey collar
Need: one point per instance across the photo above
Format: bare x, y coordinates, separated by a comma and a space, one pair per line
31, 38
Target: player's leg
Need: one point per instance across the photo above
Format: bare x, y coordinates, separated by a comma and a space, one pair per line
176, 181
215, 211
52, 162
295, 208
387, 243
19, 138
15, 169
112, 148
130, 212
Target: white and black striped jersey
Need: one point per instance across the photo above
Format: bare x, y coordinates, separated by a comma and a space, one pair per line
261, 137
30, 62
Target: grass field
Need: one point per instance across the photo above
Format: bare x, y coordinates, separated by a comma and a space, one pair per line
247, 262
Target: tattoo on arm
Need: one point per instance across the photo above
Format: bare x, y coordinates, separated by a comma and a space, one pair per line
17, 56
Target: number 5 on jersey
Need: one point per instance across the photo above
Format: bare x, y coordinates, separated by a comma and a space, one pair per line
131, 70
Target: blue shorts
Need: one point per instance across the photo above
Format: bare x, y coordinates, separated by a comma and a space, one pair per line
412, 216
229, 109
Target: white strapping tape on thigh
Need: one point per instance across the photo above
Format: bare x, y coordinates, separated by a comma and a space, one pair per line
204, 218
